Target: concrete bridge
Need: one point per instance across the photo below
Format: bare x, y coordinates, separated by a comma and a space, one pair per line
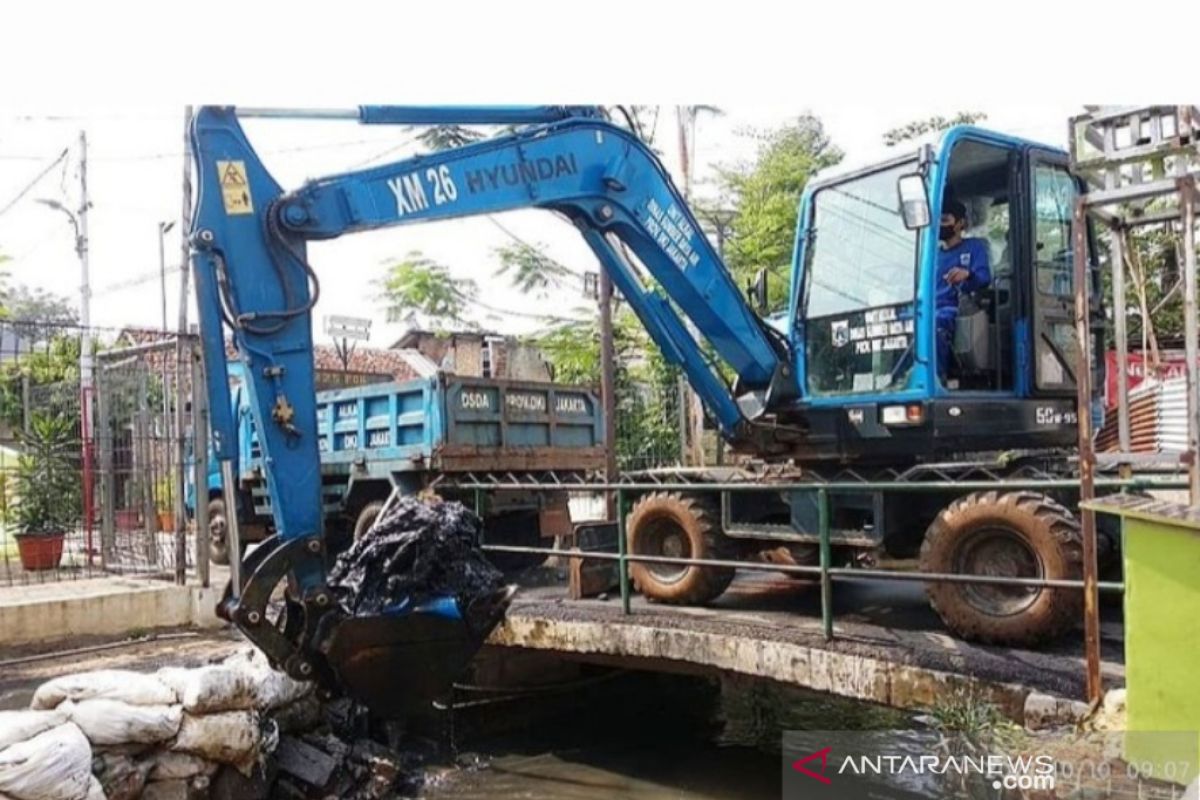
889, 647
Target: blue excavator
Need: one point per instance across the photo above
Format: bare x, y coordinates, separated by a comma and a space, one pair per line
854, 378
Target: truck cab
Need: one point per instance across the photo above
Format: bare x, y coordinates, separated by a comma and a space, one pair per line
864, 299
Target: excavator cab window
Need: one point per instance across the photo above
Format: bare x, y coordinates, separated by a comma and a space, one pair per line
859, 286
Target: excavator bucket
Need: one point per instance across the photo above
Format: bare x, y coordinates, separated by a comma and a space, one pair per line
399, 661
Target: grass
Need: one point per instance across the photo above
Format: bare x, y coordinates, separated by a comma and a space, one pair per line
977, 720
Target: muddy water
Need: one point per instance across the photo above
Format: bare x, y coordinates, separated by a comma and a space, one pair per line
638, 736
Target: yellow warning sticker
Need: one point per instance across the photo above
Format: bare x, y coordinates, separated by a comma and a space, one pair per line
235, 189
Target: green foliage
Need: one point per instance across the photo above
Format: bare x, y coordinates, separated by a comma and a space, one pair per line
447, 137
920, 127
531, 270
38, 306
47, 486
645, 385
52, 371
1153, 267
766, 196
421, 291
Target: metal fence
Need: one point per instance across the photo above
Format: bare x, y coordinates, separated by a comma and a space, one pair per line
825, 572
95, 426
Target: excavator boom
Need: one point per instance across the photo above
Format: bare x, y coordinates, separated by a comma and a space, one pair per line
253, 278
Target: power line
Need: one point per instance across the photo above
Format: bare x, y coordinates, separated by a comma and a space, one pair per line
180, 154
526, 244
133, 281
34, 182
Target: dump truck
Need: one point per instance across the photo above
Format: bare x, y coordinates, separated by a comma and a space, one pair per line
411, 436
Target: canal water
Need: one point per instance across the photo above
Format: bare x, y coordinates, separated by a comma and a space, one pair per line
634, 735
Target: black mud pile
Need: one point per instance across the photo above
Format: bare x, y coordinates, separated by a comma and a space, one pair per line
417, 551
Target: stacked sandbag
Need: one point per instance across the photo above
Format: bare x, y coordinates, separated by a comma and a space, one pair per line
122, 735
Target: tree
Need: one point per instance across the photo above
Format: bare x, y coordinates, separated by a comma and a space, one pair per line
530, 269
645, 386
448, 137
920, 127
420, 291
766, 199
39, 305
52, 373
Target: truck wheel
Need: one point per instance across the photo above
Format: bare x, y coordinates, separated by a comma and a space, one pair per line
366, 518
1013, 534
218, 542
678, 526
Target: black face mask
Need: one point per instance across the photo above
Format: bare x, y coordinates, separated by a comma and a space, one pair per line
946, 233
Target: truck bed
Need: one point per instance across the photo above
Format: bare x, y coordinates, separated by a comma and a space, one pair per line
451, 423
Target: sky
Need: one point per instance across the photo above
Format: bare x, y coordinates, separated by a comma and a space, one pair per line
135, 166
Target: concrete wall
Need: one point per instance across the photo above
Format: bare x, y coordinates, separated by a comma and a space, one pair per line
101, 606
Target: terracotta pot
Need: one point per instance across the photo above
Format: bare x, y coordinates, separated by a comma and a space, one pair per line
166, 521
126, 519
40, 551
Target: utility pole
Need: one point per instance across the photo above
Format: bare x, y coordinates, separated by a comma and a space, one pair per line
86, 378
185, 221
163, 227
185, 368
78, 221
608, 389
85, 294
691, 412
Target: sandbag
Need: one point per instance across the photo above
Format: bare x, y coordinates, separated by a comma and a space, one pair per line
242, 682
206, 690
272, 688
17, 726
231, 737
171, 766
54, 765
111, 722
121, 777
110, 684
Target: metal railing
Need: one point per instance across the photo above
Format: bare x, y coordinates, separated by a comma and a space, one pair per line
824, 570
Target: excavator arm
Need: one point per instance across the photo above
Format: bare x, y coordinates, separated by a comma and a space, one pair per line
253, 277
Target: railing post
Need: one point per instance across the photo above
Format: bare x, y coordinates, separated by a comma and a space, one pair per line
622, 564
826, 558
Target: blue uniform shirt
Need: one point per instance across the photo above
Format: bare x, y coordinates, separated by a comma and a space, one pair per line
971, 255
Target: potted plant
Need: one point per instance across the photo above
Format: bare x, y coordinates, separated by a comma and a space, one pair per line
46, 490
164, 506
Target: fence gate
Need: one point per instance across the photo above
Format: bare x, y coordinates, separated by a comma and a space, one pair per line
145, 426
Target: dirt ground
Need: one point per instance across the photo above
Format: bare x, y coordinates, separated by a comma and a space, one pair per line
24, 668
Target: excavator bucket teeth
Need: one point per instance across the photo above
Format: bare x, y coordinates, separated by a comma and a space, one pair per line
398, 662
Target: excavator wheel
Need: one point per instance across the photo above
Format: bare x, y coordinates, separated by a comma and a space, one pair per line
1012, 534
218, 542
366, 518
678, 526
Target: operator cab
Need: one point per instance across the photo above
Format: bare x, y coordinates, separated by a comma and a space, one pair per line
867, 312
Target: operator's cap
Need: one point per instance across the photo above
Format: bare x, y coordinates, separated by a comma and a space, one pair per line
954, 208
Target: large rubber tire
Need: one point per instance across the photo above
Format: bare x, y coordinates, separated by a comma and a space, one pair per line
366, 518
682, 526
218, 528
1012, 534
